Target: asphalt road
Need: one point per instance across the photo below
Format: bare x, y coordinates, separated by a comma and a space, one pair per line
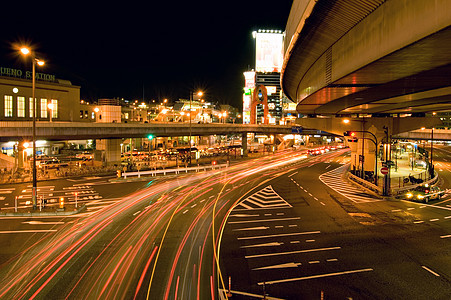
328, 237
284, 224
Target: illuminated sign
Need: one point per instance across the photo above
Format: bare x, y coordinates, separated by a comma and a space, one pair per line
246, 108
27, 74
271, 90
249, 79
269, 51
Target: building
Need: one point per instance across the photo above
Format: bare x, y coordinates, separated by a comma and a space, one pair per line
56, 99
268, 64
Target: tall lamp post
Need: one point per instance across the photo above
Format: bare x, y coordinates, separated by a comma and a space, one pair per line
34, 61
190, 113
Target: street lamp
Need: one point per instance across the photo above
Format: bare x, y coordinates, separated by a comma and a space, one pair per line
34, 61
190, 100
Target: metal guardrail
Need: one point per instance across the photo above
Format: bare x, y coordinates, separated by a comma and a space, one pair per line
176, 170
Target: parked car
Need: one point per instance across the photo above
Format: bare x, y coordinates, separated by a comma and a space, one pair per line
424, 193
54, 163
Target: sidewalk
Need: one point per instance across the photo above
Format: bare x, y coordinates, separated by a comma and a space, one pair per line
399, 173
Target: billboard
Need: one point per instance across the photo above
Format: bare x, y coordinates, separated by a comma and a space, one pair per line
247, 108
249, 79
269, 50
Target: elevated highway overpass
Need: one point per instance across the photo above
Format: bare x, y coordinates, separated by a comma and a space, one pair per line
109, 135
384, 65
369, 57
83, 130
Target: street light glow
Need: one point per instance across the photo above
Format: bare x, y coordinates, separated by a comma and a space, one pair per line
346, 121
25, 50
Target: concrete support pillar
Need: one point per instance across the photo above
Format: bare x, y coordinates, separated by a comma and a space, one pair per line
244, 144
20, 156
111, 151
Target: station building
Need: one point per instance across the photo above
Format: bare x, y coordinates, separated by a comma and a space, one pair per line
56, 99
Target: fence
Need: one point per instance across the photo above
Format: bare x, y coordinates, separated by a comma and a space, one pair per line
174, 170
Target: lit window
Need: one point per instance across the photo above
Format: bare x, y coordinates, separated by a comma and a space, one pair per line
31, 107
54, 109
43, 108
21, 107
81, 114
8, 106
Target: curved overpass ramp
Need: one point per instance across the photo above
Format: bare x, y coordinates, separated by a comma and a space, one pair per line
375, 56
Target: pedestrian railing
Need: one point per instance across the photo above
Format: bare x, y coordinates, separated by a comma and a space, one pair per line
197, 168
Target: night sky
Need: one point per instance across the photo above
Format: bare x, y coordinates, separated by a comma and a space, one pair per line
143, 48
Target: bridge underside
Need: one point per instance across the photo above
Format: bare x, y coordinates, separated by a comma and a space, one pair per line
369, 57
372, 90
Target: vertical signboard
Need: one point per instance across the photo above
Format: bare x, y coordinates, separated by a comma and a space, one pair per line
269, 51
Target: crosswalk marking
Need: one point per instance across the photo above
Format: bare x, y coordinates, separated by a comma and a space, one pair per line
333, 179
265, 198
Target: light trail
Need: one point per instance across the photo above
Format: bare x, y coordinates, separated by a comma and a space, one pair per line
117, 247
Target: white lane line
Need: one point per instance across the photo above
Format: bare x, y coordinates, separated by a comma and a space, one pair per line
244, 215
287, 265
252, 228
28, 231
265, 220
194, 205
277, 235
429, 270
418, 222
322, 203
309, 241
448, 217
248, 295
410, 208
278, 226
315, 276
263, 245
185, 211
136, 213
332, 259
295, 242
395, 210
314, 262
433, 220
292, 252
445, 236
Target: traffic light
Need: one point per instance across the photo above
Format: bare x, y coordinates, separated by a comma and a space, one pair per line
349, 133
